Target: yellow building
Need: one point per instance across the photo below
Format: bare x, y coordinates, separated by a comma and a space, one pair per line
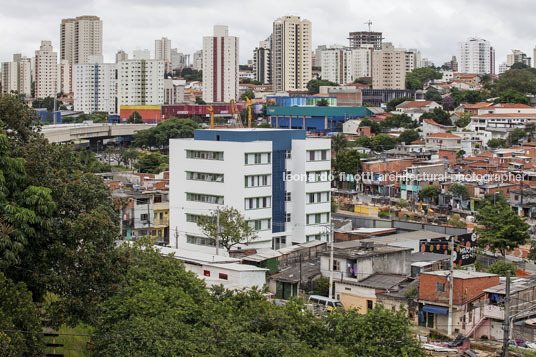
160, 228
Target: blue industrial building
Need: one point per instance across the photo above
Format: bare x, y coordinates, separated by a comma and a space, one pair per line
302, 101
314, 119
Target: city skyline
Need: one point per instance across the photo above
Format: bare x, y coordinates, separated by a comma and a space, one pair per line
435, 29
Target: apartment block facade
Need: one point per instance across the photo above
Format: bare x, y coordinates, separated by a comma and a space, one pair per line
220, 66
262, 61
344, 65
17, 75
140, 82
249, 169
291, 53
80, 38
95, 87
389, 68
476, 56
46, 71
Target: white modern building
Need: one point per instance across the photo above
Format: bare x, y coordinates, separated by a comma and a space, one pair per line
179, 60
95, 86
389, 68
140, 82
291, 53
65, 76
174, 91
277, 178
517, 57
476, 56
344, 65
162, 51
46, 71
198, 60
413, 59
141, 54
220, 66
17, 75
80, 38
262, 61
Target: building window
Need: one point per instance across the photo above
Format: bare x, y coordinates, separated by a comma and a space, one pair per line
201, 176
198, 197
257, 202
144, 216
257, 158
204, 155
206, 272
440, 287
261, 224
288, 154
287, 218
336, 265
317, 218
258, 180
287, 196
318, 197
370, 305
223, 276
318, 176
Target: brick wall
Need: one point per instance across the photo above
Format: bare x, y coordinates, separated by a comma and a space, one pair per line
464, 289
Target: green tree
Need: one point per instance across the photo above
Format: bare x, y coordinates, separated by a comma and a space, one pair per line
19, 313
512, 96
152, 163
47, 103
363, 80
408, 136
347, 162
135, 118
430, 192
247, 94
419, 76
520, 80
463, 120
322, 103
499, 228
362, 141
497, 143
338, 143
321, 287
515, 136
129, 156
391, 105
233, 227
459, 190
399, 121
374, 126
199, 100
313, 86
382, 142
158, 136
460, 154
433, 94
439, 116
503, 268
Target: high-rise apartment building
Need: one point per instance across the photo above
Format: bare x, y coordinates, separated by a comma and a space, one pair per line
17, 75
46, 71
162, 51
95, 86
198, 60
317, 60
517, 57
276, 178
365, 38
174, 91
262, 61
344, 65
140, 82
141, 54
476, 56
80, 38
451, 65
389, 68
179, 60
65, 77
413, 59
121, 56
220, 66
291, 53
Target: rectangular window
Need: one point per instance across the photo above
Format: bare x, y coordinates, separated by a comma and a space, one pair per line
370, 305
202, 176
206, 272
318, 176
204, 155
287, 196
317, 155
198, 197
261, 224
144, 216
257, 202
258, 180
287, 218
318, 197
223, 276
440, 287
257, 158
336, 265
317, 218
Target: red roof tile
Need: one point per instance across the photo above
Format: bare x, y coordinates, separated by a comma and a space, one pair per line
443, 135
417, 104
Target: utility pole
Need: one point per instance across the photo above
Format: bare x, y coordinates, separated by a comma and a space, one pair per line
451, 285
331, 261
218, 232
506, 325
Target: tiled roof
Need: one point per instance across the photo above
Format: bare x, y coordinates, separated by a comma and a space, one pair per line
443, 135
432, 122
417, 104
506, 115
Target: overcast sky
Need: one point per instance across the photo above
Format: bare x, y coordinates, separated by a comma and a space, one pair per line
433, 26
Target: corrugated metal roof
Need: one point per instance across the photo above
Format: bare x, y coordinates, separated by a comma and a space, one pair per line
320, 111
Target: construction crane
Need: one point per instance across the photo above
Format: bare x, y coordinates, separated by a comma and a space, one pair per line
236, 114
249, 111
211, 110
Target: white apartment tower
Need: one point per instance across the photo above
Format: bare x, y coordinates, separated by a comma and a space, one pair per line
198, 60
80, 38
65, 77
17, 75
162, 51
413, 59
141, 54
46, 71
389, 68
517, 57
121, 56
220, 66
344, 65
262, 61
245, 169
291, 54
95, 86
140, 82
476, 56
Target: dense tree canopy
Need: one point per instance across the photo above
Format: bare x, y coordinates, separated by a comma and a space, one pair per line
419, 76
314, 85
519, 80
512, 96
497, 143
135, 118
152, 163
439, 116
382, 142
158, 137
433, 94
408, 136
391, 105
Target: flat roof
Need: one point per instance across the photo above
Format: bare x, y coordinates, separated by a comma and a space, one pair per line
197, 257
382, 281
516, 285
460, 274
356, 252
406, 236
320, 111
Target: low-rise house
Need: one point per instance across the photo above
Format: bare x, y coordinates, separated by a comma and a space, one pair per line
416, 108
443, 141
468, 292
